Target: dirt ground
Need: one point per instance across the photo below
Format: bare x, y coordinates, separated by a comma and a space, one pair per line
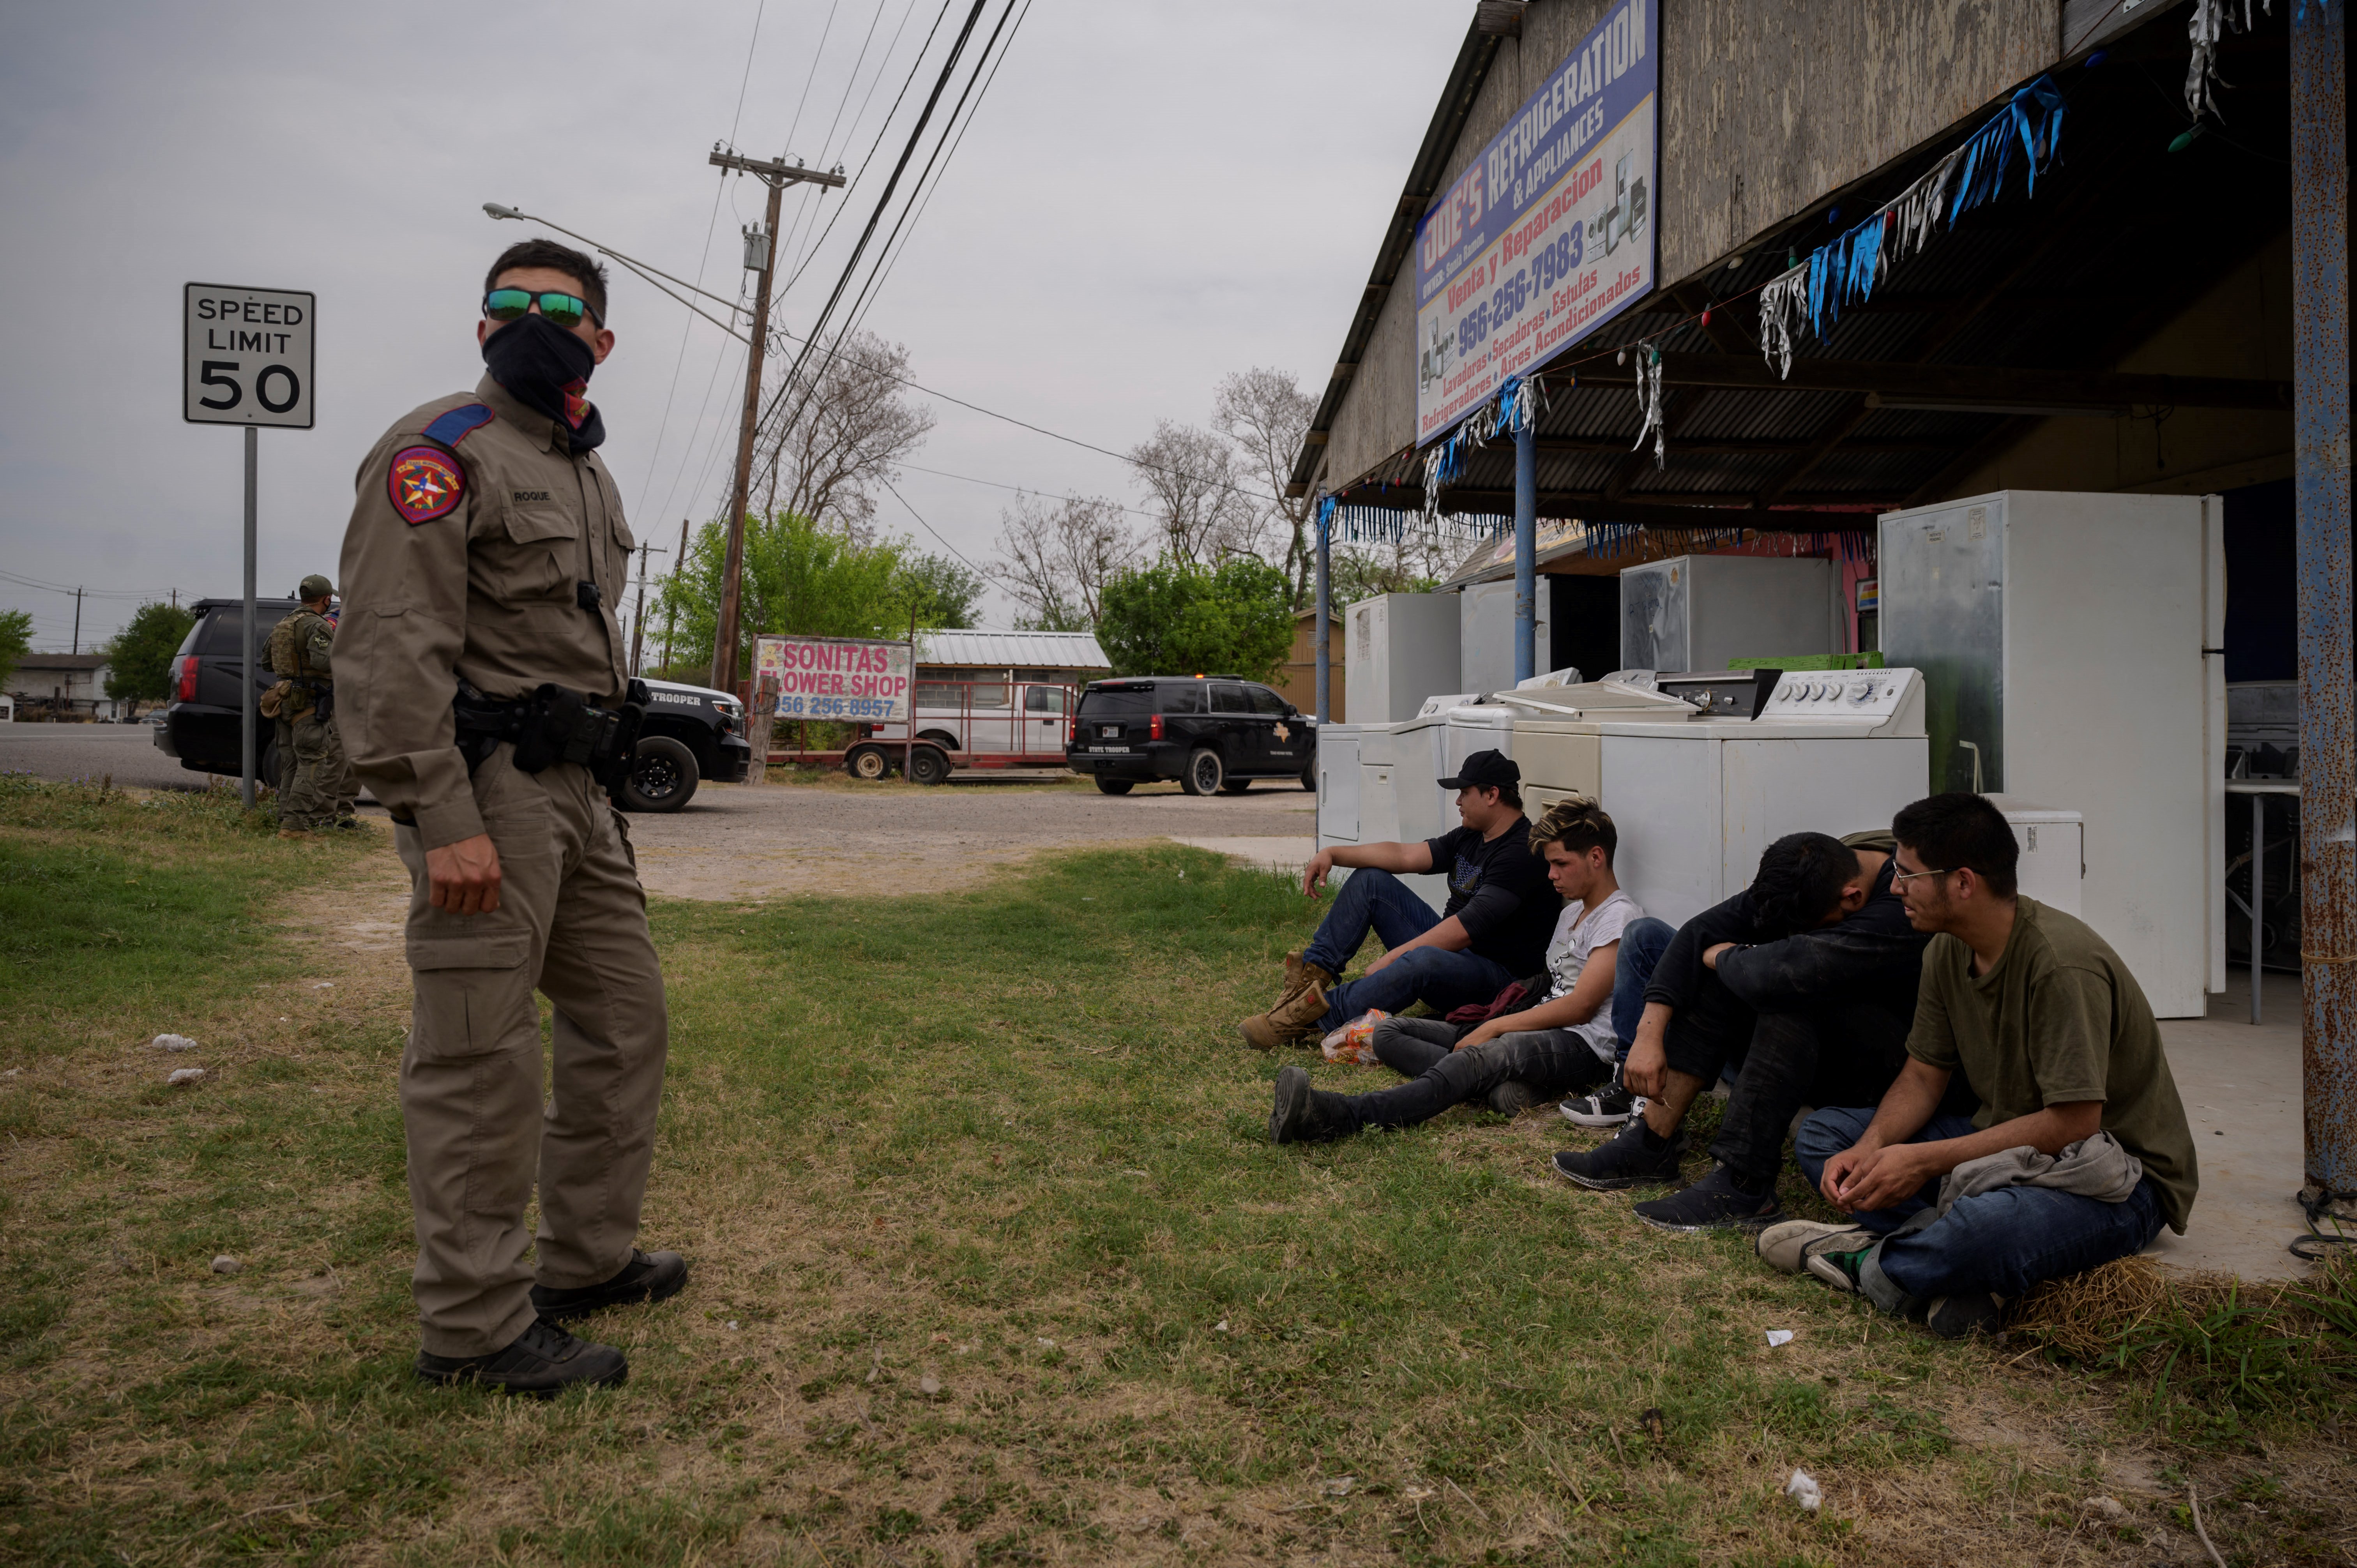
757, 842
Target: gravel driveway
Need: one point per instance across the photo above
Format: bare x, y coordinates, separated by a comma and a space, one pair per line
737, 841
743, 842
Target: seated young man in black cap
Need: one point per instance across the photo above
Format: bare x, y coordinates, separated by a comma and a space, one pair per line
1807, 979
1513, 1060
1495, 930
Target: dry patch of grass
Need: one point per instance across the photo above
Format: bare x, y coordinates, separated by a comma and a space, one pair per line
993, 1264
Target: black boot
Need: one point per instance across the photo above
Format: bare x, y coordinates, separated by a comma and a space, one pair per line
1720, 1201
1635, 1158
1307, 1115
649, 1276
540, 1363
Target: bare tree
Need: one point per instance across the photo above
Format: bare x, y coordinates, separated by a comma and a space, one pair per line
840, 433
1266, 413
1056, 558
1194, 480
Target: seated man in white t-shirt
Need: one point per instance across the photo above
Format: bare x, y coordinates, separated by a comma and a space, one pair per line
1562, 1045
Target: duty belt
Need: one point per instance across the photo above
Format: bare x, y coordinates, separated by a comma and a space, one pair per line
551, 725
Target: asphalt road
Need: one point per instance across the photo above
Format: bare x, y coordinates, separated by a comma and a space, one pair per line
92, 752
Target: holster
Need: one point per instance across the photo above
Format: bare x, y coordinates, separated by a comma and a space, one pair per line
554, 725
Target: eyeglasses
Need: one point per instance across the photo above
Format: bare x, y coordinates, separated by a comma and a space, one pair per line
1899, 876
561, 309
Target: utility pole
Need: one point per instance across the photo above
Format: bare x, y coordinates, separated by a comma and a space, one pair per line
671, 611
77, 635
638, 621
762, 256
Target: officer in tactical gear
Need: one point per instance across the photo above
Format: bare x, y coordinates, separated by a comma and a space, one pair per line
313, 775
487, 704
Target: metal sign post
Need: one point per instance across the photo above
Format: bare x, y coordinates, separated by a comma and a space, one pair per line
246, 358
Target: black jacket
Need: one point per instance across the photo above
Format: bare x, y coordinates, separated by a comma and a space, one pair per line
1873, 955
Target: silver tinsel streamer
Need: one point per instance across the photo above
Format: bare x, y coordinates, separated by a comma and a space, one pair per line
1649, 398
1784, 309
2211, 21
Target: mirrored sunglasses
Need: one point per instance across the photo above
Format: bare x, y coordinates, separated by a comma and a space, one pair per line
561, 309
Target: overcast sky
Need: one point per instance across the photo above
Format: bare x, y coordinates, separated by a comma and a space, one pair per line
1152, 195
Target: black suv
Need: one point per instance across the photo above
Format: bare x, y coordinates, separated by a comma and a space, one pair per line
1211, 734
690, 732
202, 725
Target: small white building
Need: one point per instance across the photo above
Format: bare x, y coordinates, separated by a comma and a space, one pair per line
62, 685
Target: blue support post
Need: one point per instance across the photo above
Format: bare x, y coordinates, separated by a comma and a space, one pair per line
1526, 551
1325, 617
2327, 738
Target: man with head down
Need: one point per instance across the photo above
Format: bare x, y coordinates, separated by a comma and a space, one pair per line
487, 703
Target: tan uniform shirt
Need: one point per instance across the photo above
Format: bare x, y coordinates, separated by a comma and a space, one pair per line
468, 536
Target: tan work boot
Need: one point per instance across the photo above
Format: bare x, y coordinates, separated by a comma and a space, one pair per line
1298, 972
293, 834
1290, 1022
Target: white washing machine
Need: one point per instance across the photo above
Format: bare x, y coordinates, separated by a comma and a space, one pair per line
1697, 797
1379, 783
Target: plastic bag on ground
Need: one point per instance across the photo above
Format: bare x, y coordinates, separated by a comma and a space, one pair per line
1355, 1041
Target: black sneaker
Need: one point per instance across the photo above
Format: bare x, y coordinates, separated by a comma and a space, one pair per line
1954, 1317
1718, 1202
1625, 1161
1610, 1106
1304, 1115
541, 1363
649, 1276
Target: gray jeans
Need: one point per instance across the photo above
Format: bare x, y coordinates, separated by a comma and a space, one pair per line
1551, 1061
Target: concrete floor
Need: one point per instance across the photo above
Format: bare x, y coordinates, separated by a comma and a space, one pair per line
2241, 1094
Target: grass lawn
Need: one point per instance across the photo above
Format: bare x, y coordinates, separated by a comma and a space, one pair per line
992, 1263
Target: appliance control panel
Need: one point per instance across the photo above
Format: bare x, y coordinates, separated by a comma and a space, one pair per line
1840, 693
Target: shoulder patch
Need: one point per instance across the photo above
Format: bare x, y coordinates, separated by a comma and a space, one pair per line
459, 423
423, 483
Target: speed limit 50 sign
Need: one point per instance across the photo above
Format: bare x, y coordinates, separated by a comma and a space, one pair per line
247, 356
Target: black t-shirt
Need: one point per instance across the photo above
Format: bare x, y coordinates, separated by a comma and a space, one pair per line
1499, 893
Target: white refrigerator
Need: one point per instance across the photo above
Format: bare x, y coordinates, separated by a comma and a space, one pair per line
2072, 650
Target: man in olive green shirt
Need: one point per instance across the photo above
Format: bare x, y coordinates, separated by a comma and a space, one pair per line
2080, 1151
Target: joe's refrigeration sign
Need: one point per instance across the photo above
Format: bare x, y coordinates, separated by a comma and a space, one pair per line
835, 677
1549, 233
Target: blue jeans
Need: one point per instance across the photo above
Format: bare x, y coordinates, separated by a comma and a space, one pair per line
2002, 1241
1370, 900
1642, 943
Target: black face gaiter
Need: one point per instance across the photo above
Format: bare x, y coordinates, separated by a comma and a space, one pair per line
547, 368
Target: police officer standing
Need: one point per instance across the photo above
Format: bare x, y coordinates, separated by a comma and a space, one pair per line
311, 758
485, 701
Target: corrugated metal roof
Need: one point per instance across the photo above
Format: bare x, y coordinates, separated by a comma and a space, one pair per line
1012, 649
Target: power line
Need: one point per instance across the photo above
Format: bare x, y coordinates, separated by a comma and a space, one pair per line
874, 217
23, 581
948, 67
1032, 491
897, 99
944, 153
703, 261
937, 533
804, 213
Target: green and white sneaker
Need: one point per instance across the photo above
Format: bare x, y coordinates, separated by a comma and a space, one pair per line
1788, 1246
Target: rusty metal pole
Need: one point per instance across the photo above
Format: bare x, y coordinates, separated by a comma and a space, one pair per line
2327, 730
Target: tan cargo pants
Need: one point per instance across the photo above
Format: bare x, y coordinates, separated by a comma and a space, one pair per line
572, 921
